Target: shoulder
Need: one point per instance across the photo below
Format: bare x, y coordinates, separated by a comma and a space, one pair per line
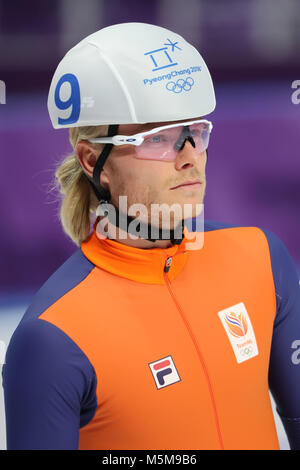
286, 277
272, 248
211, 225
208, 225
276, 248
67, 277
37, 345
273, 251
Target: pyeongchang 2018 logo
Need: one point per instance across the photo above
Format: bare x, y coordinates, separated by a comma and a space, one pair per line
164, 372
161, 58
180, 85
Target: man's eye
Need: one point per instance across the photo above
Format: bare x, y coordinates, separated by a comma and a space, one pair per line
195, 132
156, 138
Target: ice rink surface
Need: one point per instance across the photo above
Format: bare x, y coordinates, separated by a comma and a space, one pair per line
11, 312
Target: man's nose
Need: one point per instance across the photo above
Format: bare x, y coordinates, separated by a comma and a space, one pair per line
188, 156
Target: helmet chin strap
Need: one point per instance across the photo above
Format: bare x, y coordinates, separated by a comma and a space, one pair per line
122, 220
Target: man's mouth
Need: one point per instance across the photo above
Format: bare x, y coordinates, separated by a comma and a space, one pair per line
191, 183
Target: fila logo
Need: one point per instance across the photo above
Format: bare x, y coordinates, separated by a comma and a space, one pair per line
164, 372
239, 330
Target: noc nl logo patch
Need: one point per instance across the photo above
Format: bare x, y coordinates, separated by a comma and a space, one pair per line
164, 372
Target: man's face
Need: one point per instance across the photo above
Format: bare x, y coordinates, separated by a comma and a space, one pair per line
150, 182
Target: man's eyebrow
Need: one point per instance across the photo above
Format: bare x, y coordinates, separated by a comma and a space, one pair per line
143, 127
148, 126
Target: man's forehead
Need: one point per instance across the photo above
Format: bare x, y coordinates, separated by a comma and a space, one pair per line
136, 128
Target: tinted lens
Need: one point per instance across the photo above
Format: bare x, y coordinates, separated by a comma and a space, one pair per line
200, 134
162, 144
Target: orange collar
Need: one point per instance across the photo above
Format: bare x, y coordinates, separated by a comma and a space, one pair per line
137, 264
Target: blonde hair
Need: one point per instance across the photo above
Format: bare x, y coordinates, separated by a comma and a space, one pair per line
78, 201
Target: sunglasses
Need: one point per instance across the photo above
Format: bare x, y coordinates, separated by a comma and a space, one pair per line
164, 143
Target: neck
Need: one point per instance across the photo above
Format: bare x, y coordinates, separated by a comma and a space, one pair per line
115, 233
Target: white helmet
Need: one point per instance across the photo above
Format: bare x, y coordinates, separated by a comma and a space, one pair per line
130, 73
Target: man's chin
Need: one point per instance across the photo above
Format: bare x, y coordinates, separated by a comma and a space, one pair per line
169, 219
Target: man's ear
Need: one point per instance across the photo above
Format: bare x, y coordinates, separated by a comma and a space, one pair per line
87, 156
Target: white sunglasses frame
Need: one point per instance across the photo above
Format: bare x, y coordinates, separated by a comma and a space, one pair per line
138, 139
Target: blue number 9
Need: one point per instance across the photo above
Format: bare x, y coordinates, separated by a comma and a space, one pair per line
73, 101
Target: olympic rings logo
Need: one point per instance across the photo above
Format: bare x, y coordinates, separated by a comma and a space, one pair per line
181, 84
246, 351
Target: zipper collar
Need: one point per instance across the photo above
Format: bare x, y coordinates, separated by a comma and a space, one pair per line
141, 265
